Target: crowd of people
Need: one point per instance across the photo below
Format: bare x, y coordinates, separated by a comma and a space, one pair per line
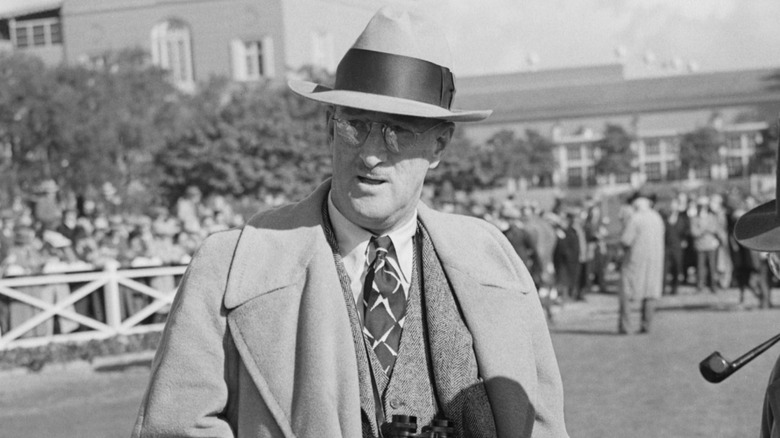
570, 250
573, 250
46, 234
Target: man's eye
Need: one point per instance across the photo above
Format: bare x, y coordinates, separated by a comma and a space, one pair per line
358, 125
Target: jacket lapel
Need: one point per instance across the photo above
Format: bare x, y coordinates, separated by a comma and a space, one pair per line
287, 316
490, 291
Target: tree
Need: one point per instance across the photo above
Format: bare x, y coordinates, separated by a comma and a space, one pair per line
541, 160
115, 117
614, 153
27, 120
247, 139
765, 158
457, 165
80, 125
699, 149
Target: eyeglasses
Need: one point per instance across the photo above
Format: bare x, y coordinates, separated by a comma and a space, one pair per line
773, 260
397, 138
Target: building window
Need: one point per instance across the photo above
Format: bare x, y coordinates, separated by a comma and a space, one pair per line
36, 33
734, 166
574, 152
734, 142
702, 172
652, 147
574, 177
591, 176
672, 145
55, 30
673, 170
252, 59
653, 171
172, 51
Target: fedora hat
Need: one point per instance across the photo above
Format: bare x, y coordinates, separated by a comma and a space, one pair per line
400, 64
759, 228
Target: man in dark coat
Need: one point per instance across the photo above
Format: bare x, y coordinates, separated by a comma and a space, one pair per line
567, 258
678, 230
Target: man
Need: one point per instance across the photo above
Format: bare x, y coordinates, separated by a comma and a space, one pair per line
675, 239
567, 257
759, 230
707, 235
327, 317
642, 269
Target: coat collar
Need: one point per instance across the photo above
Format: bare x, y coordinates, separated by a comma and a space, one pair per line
291, 235
285, 251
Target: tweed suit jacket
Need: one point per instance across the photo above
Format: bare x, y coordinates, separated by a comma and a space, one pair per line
770, 416
258, 341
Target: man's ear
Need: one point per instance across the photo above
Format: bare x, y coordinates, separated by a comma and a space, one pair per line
442, 140
331, 111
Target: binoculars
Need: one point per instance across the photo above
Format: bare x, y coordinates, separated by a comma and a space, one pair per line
406, 426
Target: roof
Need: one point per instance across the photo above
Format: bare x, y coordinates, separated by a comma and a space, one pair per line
540, 79
620, 97
18, 8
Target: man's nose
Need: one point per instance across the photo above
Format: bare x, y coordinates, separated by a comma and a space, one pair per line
373, 150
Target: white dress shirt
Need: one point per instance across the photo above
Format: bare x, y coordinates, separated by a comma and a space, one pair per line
353, 248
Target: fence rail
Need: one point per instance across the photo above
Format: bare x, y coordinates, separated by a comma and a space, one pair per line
124, 298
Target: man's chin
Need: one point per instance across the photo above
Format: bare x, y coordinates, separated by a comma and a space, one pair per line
369, 212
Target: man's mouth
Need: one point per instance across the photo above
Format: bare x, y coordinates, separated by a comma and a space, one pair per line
369, 180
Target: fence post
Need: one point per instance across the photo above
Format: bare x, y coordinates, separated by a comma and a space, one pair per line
113, 308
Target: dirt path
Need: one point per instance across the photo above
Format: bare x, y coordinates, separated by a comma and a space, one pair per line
616, 386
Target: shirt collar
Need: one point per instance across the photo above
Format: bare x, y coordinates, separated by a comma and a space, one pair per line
354, 239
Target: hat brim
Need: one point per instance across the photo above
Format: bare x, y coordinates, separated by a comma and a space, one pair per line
383, 104
759, 229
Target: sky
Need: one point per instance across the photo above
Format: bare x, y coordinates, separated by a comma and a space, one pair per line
650, 37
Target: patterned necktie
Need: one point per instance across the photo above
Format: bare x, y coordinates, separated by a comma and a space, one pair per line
385, 304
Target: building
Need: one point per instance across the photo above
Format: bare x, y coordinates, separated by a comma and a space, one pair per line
252, 40
246, 40
572, 107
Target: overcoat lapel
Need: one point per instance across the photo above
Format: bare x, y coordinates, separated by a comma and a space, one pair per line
287, 316
489, 295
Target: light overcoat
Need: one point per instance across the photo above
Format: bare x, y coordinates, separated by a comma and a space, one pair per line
258, 342
771, 412
643, 265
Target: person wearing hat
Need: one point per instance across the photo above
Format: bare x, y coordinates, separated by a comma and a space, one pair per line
759, 230
46, 208
642, 267
327, 317
707, 236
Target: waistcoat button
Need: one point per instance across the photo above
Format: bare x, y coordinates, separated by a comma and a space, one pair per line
396, 403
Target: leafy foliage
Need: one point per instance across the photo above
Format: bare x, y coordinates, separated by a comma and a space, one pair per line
699, 148
766, 150
247, 139
541, 160
82, 126
615, 156
468, 166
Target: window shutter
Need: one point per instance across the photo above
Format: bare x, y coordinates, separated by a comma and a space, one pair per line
238, 60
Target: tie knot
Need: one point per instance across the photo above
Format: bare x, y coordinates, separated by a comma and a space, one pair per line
382, 243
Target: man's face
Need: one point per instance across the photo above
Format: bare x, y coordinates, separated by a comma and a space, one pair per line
373, 186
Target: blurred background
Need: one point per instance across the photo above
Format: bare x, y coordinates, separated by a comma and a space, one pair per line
130, 130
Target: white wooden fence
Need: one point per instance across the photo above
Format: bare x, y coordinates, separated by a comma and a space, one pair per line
106, 282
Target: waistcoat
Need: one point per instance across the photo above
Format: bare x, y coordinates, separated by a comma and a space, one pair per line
436, 370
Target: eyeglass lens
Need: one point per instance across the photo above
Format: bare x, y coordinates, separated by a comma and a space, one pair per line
774, 263
356, 131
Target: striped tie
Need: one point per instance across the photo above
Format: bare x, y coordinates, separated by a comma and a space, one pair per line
385, 304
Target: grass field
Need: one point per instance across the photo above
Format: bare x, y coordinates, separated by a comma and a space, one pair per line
637, 386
